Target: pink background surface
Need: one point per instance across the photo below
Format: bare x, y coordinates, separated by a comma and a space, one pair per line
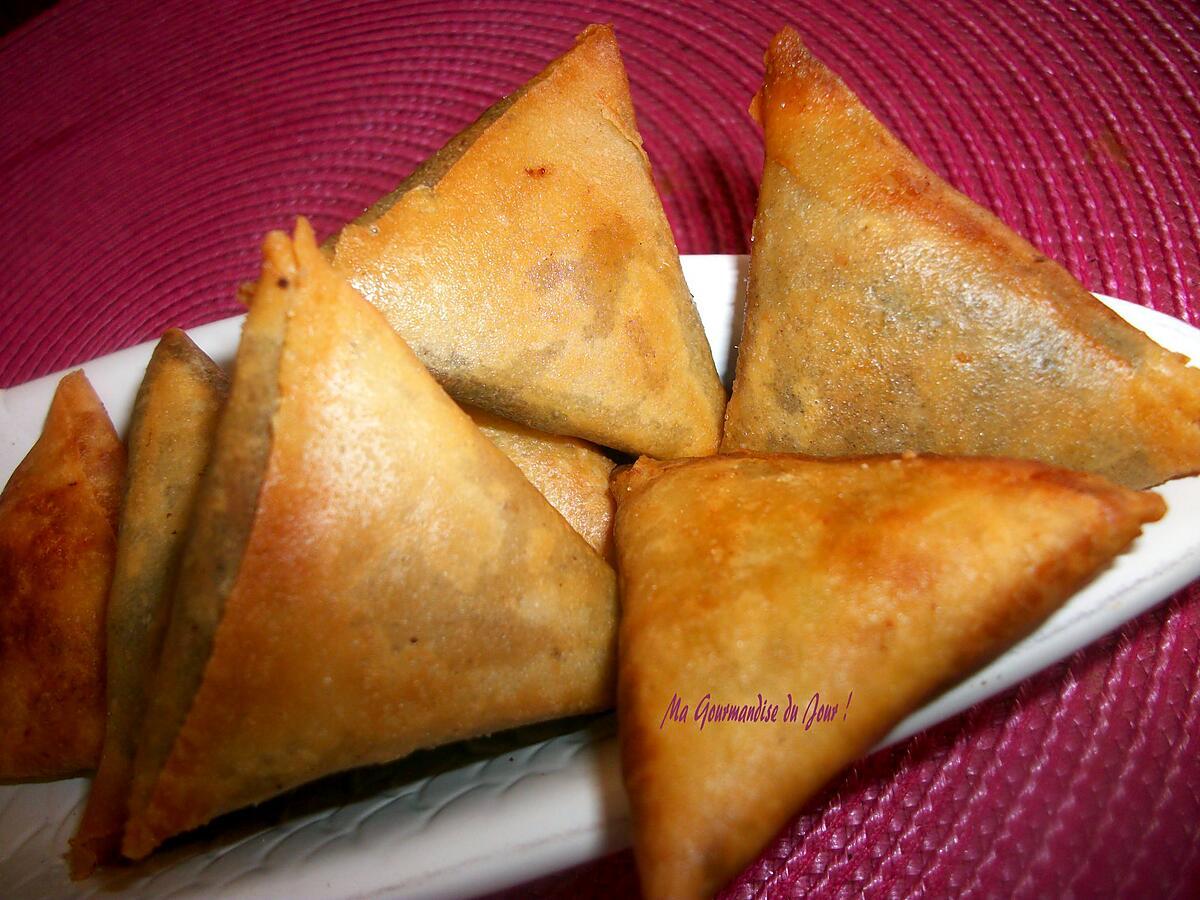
146, 146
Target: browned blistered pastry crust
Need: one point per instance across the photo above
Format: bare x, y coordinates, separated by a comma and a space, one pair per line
386, 579
58, 536
888, 312
531, 267
170, 440
887, 577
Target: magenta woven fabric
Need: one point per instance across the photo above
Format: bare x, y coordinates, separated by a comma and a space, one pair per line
146, 146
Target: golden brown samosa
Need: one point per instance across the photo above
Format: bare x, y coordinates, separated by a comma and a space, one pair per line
751, 581
570, 473
170, 438
58, 536
366, 574
888, 312
530, 266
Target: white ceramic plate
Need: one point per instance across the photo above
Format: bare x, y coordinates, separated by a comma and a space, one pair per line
500, 812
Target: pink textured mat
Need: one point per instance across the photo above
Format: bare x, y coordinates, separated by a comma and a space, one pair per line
146, 146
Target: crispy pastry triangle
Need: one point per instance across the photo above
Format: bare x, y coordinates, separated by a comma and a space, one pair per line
58, 536
530, 266
366, 574
887, 577
170, 439
571, 474
888, 312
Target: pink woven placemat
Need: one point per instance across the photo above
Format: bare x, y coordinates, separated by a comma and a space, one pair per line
146, 146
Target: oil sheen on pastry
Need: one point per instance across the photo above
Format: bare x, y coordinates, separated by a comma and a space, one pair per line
888, 312
366, 574
871, 582
530, 266
58, 538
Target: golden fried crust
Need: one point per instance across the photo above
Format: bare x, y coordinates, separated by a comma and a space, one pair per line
402, 585
887, 577
219, 530
887, 311
170, 439
570, 473
58, 522
533, 271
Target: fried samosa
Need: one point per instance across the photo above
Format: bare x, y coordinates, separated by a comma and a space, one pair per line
530, 266
760, 592
170, 439
366, 574
888, 312
58, 537
571, 474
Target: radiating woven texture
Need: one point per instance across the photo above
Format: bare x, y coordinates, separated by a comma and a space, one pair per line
146, 146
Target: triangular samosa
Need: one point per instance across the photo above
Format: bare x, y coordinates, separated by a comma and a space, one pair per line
58, 538
366, 574
751, 585
530, 266
170, 439
570, 473
888, 312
